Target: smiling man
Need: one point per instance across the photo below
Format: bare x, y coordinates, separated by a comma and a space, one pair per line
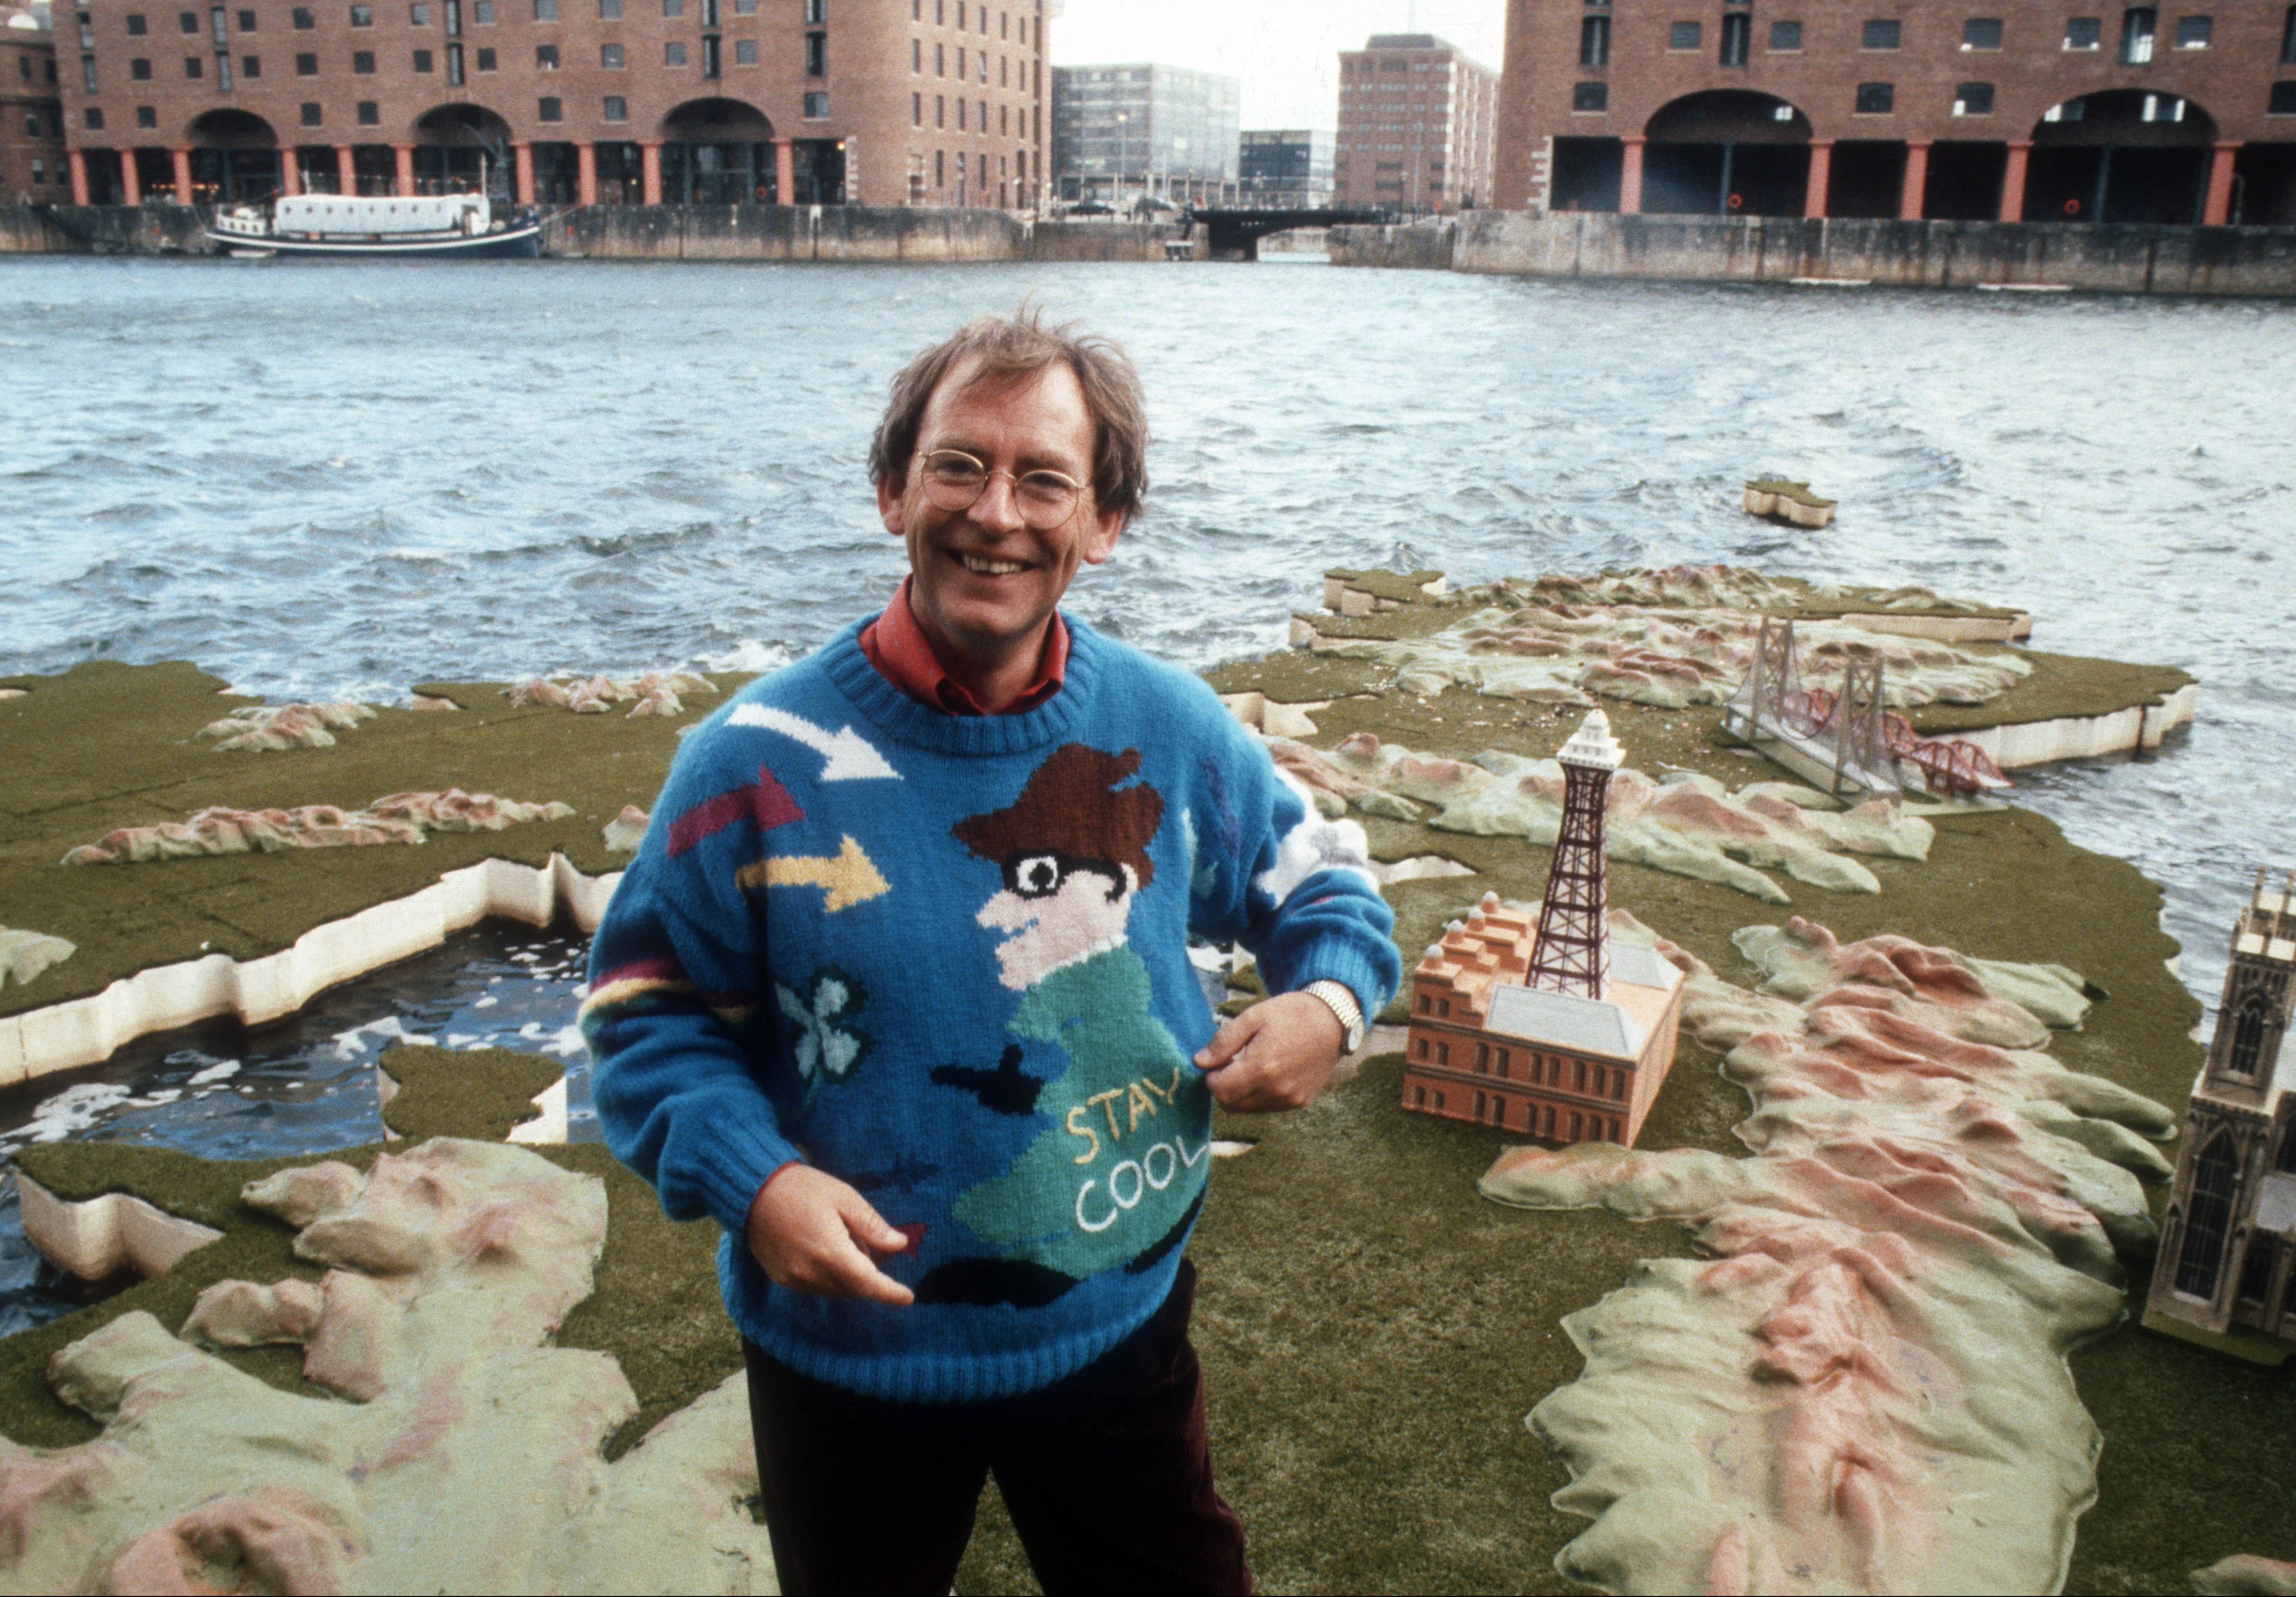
898, 991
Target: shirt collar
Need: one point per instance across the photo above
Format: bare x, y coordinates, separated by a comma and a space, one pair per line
903, 655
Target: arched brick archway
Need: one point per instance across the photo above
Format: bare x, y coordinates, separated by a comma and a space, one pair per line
1726, 152
234, 158
2121, 155
462, 149
717, 151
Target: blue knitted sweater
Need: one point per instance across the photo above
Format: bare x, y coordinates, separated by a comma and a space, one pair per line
945, 959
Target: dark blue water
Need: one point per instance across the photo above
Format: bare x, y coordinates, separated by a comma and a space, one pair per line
341, 480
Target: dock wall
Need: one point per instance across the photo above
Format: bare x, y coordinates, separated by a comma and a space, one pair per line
765, 232
2119, 258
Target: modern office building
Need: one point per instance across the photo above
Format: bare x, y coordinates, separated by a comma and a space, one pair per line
1417, 118
32, 161
1996, 110
718, 102
1138, 128
1286, 168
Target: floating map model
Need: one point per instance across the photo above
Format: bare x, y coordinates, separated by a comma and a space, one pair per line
1550, 1030
2226, 1275
1862, 1387
1781, 499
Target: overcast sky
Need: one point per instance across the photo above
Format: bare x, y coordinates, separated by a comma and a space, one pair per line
1287, 52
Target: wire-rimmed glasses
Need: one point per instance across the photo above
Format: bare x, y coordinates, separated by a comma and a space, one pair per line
955, 480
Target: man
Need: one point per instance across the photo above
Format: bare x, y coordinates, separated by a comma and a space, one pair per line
896, 990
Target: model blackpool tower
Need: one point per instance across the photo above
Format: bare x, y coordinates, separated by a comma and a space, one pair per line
1542, 1025
1571, 953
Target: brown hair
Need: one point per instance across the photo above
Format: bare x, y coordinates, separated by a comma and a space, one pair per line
1014, 348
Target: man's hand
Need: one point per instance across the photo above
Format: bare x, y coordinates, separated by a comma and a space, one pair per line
809, 1231
1278, 1054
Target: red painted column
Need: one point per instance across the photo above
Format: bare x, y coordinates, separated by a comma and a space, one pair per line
1630, 180
1821, 172
650, 171
129, 185
405, 178
78, 165
2219, 205
346, 170
784, 172
1917, 180
586, 172
183, 176
2013, 181
290, 171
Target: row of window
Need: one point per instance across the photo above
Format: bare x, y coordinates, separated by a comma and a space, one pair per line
1969, 99
674, 54
963, 109
419, 14
368, 113
940, 18
24, 67
2137, 29
1559, 1071
1540, 1120
941, 65
942, 159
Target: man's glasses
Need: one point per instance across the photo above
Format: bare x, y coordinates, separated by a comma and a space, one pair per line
955, 480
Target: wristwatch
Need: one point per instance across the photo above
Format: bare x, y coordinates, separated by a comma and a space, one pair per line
1342, 1003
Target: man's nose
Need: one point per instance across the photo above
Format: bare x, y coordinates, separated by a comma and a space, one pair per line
996, 510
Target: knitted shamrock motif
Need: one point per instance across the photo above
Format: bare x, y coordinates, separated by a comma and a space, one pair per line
824, 1049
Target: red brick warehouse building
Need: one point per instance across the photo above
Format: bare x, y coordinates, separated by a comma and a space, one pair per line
32, 162
1988, 110
704, 101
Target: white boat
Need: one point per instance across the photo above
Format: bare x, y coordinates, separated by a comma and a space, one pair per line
422, 224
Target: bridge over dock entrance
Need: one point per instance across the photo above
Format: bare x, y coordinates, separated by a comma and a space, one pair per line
1235, 235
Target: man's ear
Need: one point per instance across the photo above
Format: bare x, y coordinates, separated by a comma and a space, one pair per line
889, 498
1100, 538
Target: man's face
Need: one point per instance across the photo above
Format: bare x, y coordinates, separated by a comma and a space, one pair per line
985, 580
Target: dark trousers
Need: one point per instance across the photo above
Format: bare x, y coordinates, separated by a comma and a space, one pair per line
1106, 1473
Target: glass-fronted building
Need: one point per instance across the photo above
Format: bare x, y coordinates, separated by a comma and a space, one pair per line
1124, 131
1286, 168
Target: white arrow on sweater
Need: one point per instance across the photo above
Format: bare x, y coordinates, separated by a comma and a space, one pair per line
850, 756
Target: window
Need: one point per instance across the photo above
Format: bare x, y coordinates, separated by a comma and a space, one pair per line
745, 52
138, 69
94, 113
546, 58
940, 180
745, 8
2256, 1275
486, 58
1982, 33
916, 111
673, 8
2248, 1034
310, 113
306, 18
962, 109
146, 116
1974, 99
1785, 37
362, 16
617, 109
713, 57
609, 11
455, 65
1590, 96
423, 61
917, 56
1685, 36
1594, 42
307, 65
370, 114
2084, 33
549, 110
816, 12
672, 54
134, 27
251, 66
960, 61
363, 63
1737, 36
1875, 99
2136, 25
482, 13
940, 111
2288, 53
609, 56
188, 21
1880, 34
816, 55
2192, 33
2201, 1256
2283, 102
193, 67
246, 21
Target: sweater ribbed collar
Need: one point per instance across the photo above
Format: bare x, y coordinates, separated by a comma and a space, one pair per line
905, 721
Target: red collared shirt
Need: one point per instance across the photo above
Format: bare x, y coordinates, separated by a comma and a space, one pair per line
896, 646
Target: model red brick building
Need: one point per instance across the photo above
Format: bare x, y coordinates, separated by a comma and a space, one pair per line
714, 101
1548, 1026
1989, 110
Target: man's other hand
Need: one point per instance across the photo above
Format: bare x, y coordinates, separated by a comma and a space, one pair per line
813, 1233
1279, 1054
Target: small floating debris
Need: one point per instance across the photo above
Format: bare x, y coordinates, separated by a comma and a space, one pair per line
1782, 500
1832, 282
2027, 288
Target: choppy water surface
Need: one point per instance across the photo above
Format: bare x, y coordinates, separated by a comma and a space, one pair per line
342, 479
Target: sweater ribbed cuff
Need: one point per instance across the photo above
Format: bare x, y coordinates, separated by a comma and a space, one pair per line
1352, 968
733, 1164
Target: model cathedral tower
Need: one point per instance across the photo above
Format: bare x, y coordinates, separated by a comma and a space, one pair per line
2227, 1271
1545, 1026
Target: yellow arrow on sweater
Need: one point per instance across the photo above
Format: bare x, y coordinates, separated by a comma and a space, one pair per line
850, 878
